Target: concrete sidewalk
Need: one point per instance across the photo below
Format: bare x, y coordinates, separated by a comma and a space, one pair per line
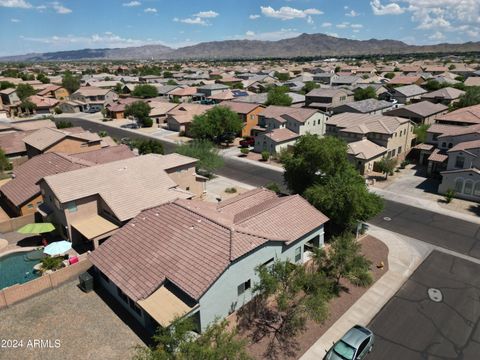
423, 204
404, 256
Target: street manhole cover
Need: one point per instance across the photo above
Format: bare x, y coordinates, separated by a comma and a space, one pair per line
386, 218
435, 295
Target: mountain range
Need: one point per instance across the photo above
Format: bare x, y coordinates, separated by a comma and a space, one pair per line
303, 45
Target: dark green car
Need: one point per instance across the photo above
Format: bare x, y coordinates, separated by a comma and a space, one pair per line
354, 345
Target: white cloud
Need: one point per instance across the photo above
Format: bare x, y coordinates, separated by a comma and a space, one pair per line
150, 10
356, 26
250, 33
60, 9
132, 4
22, 4
352, 13
254, 16
192, 21
437, 36
342, 25
327, 24
14, 20
389, 9
288, 13
333, 34
206, 14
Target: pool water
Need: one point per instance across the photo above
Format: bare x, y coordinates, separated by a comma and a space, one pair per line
16, 268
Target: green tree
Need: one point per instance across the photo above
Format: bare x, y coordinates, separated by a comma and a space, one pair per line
281, 76
387, 166
167, 74
4, 162
421, 132
27, 106
433, 85
345, 199
278, 96
311, 159
149, 146
145, 91
470, 98
363, 94
139, 110
43, 78
208, 158
309, 86
6, 85
338, 69
273, 186
452, 67
177, 342
70, 82
118, 88
344, 260
24, 91
172, 82
389, 75
62, 124
218, 124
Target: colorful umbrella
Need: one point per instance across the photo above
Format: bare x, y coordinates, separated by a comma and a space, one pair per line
57, 248
37, 228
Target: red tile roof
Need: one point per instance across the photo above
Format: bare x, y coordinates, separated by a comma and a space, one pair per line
469, 114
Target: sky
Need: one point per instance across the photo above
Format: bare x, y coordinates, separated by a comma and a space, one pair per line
42, 26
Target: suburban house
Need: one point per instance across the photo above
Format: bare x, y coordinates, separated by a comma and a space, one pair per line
345, 80
406, 80
327, 99
43, 105
472, 81
116, 109
159, 110
324, 78
212, 89
96, 98
363, 154
445, 96
21, 195
9, 96
423, 112
89, 204
68, 141
54, 91
180, 117
462, 117
197, 259
73, 106
247, 112
280, 126
367, 106
407, 94
395, 134
186, 94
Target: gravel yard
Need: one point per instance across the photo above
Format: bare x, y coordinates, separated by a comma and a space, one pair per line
83, 325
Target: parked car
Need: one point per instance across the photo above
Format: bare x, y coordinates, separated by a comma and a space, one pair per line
125, 141
248, 141
354, 345
130, 126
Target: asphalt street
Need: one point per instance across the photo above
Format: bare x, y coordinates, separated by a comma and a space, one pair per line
440, 230
414, 325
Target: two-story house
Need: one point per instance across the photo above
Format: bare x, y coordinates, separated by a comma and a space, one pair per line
248, 113
407, 94
96, 98
326, 99
282, 125
197, 259
423, 112
89, 204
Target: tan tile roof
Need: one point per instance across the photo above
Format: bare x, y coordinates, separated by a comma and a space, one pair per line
43, 102
12, 143
447, 93
366, 123
422, 108
92, 91
467, 145
46, 137
459, 130
106, 155
188, 91
437, 156
403, 80
133, 185
473, 81
190, 243
239, 107
282, 113
470, 114
33, 125
365, 149
281, 135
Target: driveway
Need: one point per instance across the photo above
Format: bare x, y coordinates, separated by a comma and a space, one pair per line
83, 324
414, 325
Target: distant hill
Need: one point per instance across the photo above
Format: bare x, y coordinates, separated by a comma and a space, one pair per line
303, 45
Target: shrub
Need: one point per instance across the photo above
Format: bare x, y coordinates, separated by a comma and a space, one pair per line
273, 186
244, 151
52, 263
57, 110
230, 190
265, 155
404, 163
64, 124
147, 122
449, 195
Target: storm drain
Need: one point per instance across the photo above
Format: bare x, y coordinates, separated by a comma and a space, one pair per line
435, 295
386, 218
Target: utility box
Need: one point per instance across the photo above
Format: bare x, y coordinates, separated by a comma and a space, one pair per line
86, 282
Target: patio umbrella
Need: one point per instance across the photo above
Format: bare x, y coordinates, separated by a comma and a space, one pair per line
57, 248
37, 228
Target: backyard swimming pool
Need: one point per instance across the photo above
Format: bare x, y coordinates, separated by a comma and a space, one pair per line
17, 268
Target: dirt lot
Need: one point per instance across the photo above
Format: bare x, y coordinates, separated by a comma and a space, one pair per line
83, 324
375, 251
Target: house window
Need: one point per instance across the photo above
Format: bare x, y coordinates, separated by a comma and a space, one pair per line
243, 287
444, 144
72, 206
298, 254
459, 185
476, 190
399, 150
30, 206
459, 162
468, 187
450, 145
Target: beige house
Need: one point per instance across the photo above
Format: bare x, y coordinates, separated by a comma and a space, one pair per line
96, 98
326, 99
395, 134
180, 117
70, 141
423, 112
363, 154
90, 204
